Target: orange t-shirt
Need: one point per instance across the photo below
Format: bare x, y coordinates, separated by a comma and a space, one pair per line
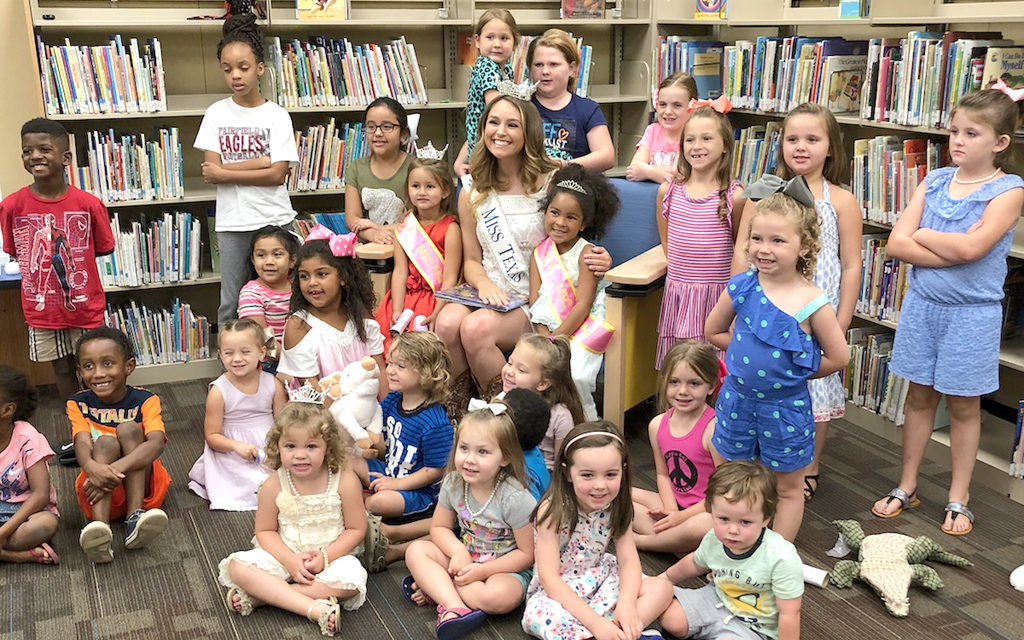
89, 414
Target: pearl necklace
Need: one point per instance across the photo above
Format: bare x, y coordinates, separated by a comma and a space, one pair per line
985, 179
291, 485
465, 498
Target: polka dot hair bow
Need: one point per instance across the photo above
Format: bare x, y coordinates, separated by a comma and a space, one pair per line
770, 184
342, 246
475, 404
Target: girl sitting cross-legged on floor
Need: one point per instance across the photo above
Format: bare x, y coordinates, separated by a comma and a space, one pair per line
309, 520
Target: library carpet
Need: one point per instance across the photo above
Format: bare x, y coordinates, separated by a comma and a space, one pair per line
170, 590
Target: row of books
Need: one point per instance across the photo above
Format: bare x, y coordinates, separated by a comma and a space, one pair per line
129, 167
333, 220
778, 73
886, 170
324, 152
883, 281
755, 151
158, 250
701, 59
162, 336
918, 80
583, 75
107, 78
331, 72
869, 383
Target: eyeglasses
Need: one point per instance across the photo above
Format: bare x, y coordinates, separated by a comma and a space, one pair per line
385, 127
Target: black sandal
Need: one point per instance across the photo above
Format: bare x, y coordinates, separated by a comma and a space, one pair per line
809, 490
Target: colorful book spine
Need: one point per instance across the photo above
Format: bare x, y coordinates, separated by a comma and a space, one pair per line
123, 168
162, 336
159, 250
324, 152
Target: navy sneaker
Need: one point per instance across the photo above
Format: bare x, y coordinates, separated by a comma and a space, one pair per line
66, 454
142, 527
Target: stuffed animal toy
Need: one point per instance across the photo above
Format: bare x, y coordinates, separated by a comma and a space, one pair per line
890, 563
355, 407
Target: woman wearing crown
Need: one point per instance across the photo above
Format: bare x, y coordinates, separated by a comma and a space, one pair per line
502, 222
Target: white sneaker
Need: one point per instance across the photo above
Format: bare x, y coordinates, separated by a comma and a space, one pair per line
95, 542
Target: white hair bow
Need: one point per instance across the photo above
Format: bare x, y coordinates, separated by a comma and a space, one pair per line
475, 404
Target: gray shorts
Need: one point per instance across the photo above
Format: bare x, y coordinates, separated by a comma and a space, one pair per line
709, 619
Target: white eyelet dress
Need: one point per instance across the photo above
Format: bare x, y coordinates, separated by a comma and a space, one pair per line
307, 523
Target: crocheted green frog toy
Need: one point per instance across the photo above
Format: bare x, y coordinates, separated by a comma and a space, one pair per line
890, 563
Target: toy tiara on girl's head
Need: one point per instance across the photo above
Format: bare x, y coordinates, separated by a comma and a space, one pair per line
523, 91
429, 152
572, 185
306, 393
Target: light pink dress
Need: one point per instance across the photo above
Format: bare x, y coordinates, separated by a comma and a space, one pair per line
225, 479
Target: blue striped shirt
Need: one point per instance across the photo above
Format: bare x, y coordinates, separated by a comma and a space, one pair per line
415, 439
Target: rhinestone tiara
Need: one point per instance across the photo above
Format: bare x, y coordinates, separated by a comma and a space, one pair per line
429, 152
572, 185
523, 91
306, 393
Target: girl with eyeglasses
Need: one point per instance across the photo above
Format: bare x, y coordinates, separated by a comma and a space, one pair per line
375, 185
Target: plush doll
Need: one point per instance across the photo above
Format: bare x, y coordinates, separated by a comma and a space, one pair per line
890, 563
355, 407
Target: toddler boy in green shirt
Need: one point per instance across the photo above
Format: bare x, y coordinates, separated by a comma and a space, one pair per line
757, 577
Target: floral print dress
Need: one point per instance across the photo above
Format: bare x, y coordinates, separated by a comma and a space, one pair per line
588, 569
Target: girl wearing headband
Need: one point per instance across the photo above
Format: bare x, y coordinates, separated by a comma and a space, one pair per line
332, 309
486, 569
566, 298
588, 582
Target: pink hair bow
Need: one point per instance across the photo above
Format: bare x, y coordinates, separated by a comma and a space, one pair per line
720, 104
1015, 94
342, 246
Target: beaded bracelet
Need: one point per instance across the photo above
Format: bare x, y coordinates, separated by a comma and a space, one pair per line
326, 562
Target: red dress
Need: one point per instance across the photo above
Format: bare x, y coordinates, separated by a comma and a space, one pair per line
418, 295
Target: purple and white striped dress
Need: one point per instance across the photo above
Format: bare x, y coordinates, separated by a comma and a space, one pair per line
699, 263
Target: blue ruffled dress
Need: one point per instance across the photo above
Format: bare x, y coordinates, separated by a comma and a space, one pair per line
764, 408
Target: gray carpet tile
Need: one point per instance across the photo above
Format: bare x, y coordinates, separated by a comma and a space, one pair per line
171, 589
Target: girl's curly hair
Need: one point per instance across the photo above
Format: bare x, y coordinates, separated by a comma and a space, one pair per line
804, 219
15, 387
316, 421
599, 200
356, 290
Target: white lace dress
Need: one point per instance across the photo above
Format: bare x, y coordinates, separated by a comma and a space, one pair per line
526, 221
307, 523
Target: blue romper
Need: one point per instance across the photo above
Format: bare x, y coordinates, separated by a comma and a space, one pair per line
949, 323
764, 408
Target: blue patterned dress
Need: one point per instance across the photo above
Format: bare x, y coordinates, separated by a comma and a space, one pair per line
764, 408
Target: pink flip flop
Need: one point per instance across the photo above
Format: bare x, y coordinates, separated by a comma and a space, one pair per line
50, 553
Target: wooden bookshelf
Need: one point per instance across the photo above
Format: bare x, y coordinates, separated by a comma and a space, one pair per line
208, 369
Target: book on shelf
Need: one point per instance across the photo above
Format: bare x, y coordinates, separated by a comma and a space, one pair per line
161, 249
466, 294
886, 170
869, 382
111, 78
129, 167
702, 59
883, 281
332, 72
576, 9
1017, 446
324, 152
333, 220
710, 10
162, 336
853, 9
583, 74
1006, 63
1013, 302
755, 151
211, 229
322, 9
466, 50
843, 77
